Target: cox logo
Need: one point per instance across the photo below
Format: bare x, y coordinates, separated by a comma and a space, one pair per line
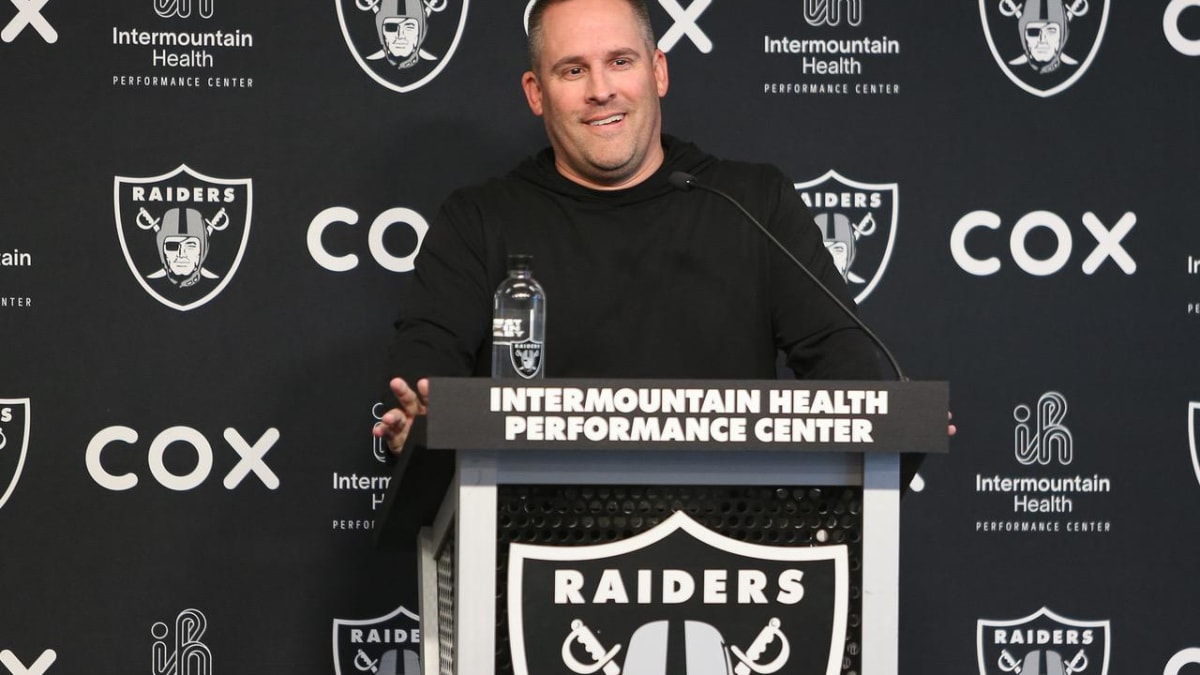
1171, 27
686, 24
1187, 657
1108, 243
342, 216
39, 666
29, 14
250, 454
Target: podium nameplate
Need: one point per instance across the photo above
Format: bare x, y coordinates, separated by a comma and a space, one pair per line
597, 414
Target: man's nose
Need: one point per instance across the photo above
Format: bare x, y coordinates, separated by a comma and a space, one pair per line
600, 87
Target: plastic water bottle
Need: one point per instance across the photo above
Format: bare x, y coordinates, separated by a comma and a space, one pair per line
519, 323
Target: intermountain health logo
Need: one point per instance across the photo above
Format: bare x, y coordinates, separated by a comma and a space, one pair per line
1044, 46
827, 52
1050, 492
183, 233
385, 645
180, 651
14, 443
182, 44
858, 221
1042, 643
679, 598
402, 44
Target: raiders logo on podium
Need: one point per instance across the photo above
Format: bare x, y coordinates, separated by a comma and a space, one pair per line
678, 599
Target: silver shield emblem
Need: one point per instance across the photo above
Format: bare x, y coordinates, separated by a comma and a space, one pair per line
183, 233
14, 443
1044, 46
726, 606
402, 44
526, 358
1043, 643
385, 645
858, 222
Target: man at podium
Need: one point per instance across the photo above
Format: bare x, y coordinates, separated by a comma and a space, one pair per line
642, 278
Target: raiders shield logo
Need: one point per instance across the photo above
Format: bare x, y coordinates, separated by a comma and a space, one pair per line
678, 599
183, 233
402, 44
526, 358
858, 221
386, 645
1029, 40
1043, 643
1193, 425
14, 443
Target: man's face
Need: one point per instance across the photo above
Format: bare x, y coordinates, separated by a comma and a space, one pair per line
182, 255
400, 35
597, 86
1044, 39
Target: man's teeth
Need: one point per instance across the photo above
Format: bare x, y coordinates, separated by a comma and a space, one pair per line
608, 120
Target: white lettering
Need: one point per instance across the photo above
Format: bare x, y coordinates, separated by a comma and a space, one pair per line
1183, 45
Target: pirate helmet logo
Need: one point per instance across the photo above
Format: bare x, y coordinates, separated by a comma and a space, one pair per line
615, 608
1043, 643
402, 44
526, 358
384, 645
1029, 40
183, 233
14, 443
858, 223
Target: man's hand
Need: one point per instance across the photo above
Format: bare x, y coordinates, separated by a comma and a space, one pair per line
394, 425
950, 428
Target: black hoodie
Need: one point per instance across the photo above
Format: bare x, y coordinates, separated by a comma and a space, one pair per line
644, 282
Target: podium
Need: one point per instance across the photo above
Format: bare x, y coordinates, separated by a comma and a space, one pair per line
648, 527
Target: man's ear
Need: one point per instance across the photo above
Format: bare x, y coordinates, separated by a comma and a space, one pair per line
661, 78
533, 92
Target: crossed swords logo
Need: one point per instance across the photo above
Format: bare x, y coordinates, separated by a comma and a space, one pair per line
1011, 9
366, 664
431, 6
1010, 665
747, 660
219, 222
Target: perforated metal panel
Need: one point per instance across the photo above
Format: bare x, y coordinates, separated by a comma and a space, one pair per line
445, 607
580, 515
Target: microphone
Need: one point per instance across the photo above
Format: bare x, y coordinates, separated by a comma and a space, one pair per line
681, 180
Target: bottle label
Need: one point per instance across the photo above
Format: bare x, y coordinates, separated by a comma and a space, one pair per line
510, 327
510, 333
526, 358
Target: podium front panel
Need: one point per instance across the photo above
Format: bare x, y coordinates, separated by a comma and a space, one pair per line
586, 515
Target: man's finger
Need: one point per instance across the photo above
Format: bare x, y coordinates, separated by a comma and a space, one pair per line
423, 391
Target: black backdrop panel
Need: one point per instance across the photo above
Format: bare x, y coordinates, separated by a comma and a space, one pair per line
203, 478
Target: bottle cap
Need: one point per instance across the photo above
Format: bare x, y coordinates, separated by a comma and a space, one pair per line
520, 261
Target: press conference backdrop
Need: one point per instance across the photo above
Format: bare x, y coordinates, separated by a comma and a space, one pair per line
211, 206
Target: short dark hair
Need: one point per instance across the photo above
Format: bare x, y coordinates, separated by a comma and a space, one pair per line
640, 10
